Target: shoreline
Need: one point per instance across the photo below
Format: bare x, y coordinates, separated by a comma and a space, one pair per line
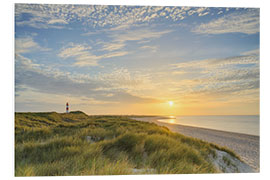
245, 145
157, 121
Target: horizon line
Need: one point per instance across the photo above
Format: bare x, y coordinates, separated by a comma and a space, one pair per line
139, 114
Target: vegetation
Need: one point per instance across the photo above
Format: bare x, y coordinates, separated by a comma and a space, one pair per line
52, 144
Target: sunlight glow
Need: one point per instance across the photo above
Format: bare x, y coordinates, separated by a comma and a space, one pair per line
171, 103
171, 121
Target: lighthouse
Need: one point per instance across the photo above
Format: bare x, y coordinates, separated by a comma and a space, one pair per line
67, 108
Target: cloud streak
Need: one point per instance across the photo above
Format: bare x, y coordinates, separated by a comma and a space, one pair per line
53, 82
83, 55
27, 44
222, 77
139, 35
246, 22
115, 46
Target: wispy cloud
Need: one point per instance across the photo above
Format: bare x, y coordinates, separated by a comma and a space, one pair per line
150, 48
74, 50
57, 21
139, 35
83, 55
119, 37
254, 52
218, 63
27, 44
115, 44
112, 46
41, 16
52, 81
246, 22
219, 77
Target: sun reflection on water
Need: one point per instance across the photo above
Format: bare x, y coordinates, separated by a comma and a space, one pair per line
172, 119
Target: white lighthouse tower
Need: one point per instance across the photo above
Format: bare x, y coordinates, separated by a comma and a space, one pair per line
67, 108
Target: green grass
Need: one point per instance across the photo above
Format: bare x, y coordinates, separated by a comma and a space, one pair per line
52, 144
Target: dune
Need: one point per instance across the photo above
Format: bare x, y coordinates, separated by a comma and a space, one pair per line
246, 146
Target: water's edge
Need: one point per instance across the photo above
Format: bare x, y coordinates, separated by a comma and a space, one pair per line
236, 124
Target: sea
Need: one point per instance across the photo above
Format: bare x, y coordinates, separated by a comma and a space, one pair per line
245, 124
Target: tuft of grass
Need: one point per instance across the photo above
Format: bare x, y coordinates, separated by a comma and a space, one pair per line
226, 161
24, 170
232, 153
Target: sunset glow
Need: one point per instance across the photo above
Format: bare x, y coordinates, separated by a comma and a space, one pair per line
171, 103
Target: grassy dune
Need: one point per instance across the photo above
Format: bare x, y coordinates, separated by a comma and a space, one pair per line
52, 144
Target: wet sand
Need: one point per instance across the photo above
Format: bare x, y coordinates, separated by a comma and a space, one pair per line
246, 146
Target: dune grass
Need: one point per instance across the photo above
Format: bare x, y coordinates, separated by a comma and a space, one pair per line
54, 144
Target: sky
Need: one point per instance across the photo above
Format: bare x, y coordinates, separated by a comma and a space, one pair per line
137, 59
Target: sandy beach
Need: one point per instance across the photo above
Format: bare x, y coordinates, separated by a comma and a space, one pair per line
246, 146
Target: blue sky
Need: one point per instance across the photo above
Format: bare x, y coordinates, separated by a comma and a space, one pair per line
134, 59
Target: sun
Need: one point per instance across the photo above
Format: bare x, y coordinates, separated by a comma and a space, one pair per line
171, 103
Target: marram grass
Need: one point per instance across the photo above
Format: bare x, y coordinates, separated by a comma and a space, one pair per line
54, 144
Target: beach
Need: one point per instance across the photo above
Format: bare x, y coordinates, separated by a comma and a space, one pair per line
246, 146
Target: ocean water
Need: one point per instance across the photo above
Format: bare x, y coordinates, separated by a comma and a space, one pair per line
239, 124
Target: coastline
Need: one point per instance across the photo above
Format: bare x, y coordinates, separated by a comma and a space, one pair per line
246, 146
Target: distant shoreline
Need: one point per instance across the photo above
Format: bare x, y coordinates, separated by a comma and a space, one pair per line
245, 145
155, 119
162, 119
